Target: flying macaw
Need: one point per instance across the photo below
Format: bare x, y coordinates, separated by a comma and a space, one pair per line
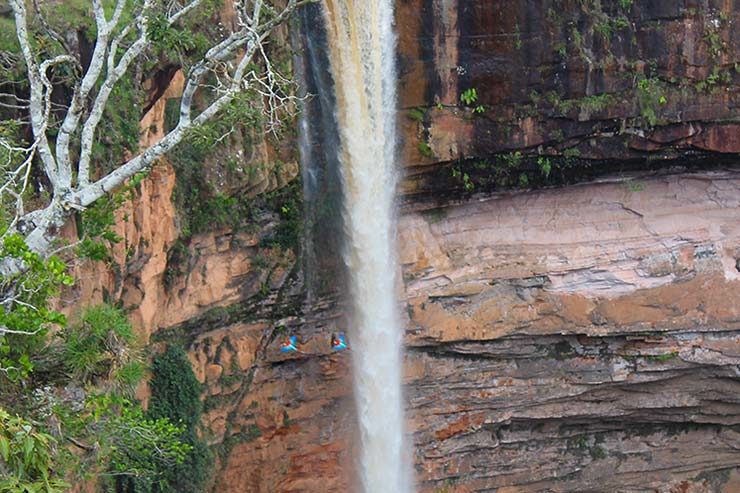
339, 342
289, 344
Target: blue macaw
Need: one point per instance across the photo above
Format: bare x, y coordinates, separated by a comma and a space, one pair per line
289, 345
338, 342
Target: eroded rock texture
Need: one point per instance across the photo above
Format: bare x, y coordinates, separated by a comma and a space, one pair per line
577, 339
580, 339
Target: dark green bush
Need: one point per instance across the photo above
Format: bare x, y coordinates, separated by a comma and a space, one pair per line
176, 396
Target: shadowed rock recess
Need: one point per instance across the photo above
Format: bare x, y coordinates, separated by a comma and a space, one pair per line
569, 241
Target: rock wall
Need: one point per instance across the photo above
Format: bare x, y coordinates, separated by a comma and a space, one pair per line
570, 338
600, 81
579, 339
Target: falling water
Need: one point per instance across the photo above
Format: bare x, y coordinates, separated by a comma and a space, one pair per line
361, 50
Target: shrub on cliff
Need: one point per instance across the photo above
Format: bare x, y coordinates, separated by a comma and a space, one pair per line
79, 417
103, 345
176, 396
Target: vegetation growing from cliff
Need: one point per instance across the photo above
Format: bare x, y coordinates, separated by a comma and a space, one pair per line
79, 416
649, 99
25, 314
176, 397
513, 170
102, 345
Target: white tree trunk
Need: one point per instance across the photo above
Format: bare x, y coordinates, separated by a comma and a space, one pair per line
91, 96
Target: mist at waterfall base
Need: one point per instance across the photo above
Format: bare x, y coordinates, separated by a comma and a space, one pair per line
360, 45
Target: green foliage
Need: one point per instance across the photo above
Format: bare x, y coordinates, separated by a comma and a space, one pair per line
11, 137
101, 352
713, 39
596, 102
662, 358
102, 344
577, 38
119, 133
132, 447
469, 96
178, 257
626, 4
192, 190
26, 458
144, 447
26, 310
517, 38
246, 435
200, 207
424, 149
8, 40
416, 114
219, 211
71, 15
650, 98
545, 166
243, 111
176, 396
175, 390
598, 452
512, 159
714, 80
607, 27
463, 178
620, 23
571, 152
189, 39
591, 104
287, 202
96, 222
171, 40
516, 170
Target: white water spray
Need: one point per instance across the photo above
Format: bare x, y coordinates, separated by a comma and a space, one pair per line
362, 53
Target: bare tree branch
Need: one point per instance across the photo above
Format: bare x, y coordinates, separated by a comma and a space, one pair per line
82, 91
231, 62
39, 120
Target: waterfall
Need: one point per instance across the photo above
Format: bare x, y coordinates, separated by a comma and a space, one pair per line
361, 48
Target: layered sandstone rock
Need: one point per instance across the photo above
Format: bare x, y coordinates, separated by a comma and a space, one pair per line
577, 339
581, 339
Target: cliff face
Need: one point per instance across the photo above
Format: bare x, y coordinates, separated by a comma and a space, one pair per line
602, 81
577, 339
563, 340
572, 338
